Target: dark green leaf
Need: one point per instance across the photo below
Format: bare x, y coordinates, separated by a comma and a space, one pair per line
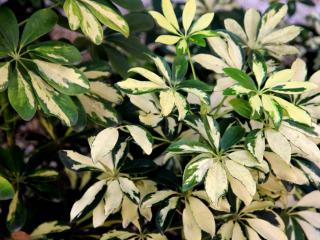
138, 166
242, 107
139, 22
198, 40
241, 77
9, 29
231, 136
118, 61
133, 5
39, 24
179, 68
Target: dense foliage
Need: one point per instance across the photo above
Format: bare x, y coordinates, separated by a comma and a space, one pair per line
194, 120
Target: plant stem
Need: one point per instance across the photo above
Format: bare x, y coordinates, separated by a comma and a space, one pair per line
191, 64
7, 117
219, 107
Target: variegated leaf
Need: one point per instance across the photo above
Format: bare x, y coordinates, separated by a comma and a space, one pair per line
142, 137
67, 80
255, 144
4, 73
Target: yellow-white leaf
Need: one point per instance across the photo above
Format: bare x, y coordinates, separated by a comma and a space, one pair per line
169, 14
226, 230
283, 35
210, 62
216, 183
167, 39
266, 229
310, 200
278, 144
149, 75
310, 232
240, 190
191, 229
233, 26
202, 23
128, 187
104, 143
113, 198
251, 24
188, 14
98, 215
166, 102
181, 105
134, 86
87, 199
129, 212
163, 22
105, 91
141, 137
294, 112
237, 233
202, 216
4, 76
279, 77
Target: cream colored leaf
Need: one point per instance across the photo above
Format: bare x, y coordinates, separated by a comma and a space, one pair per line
191, 229
141, 137
113, 198
169, 13
149, 75
167, 39
202, 216
210, 62
202, 23
237, 233
167, 102
251, 23
188, 14
310, 200
87, 199
266, 229
279, 77
129, 212
216, 183
233, 26
163, 22
4, 73
283, 35
104, 143
226, 230
278, 144
98, 216
181, 105
72, 11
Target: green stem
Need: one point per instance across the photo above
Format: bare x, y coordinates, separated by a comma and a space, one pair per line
7, 117
219, 107
191, 64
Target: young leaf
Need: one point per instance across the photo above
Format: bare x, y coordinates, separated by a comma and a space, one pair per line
241, 77
6, 190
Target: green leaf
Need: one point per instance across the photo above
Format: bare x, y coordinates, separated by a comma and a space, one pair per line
72, 11
108, 16
133, 5
66, 80
6, 189
241, 77
17, 214
198, 40
21, 96
179, 68
242, 107
118, 61
56, 51
139, 22
40, 23
9, 29
231, 136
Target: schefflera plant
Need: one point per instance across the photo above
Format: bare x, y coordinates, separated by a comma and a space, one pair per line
39, 75
114, 188
218, 161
